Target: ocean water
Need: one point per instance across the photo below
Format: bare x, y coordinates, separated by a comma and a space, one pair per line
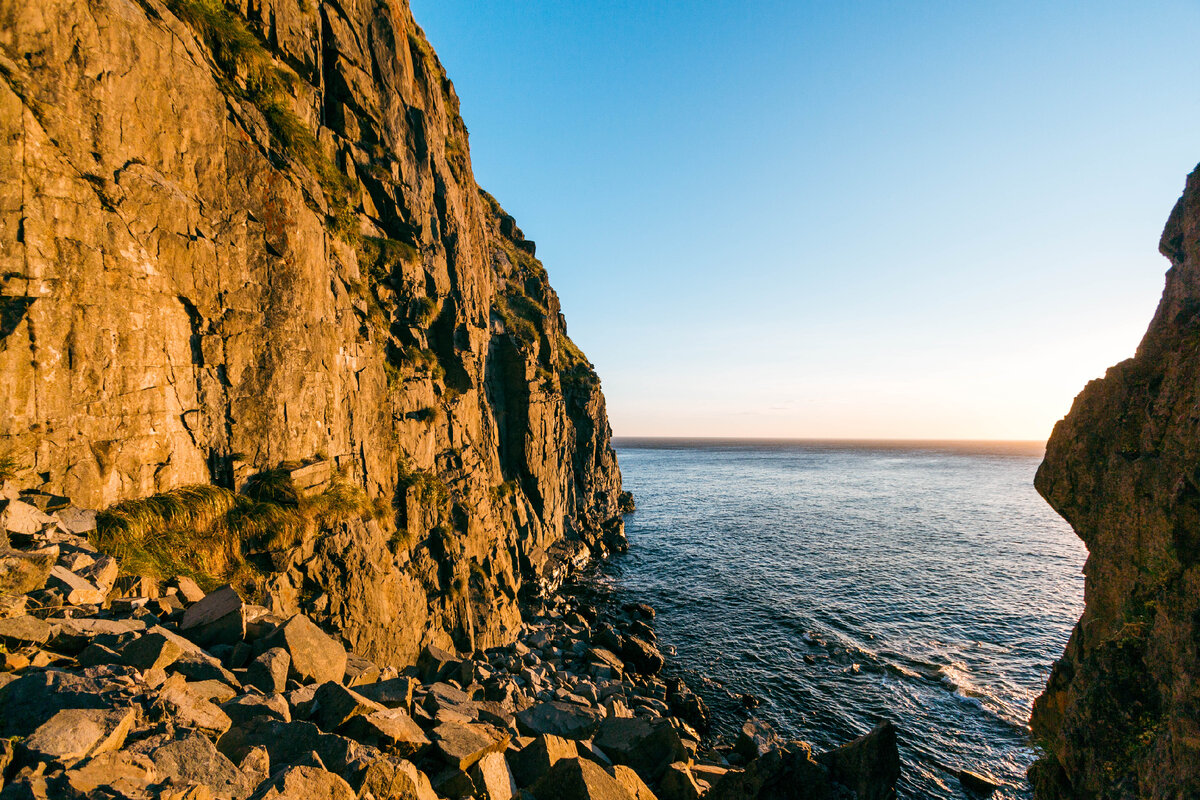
844, 584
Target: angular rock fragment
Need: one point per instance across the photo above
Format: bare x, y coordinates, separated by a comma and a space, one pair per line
393, 693
269, 671
632, 782
388, 780
492, 779
192, 758
119, 774
870, 765
17, 516
536, 758
305, 783
191, 709
77, 591
249, 706
559, 719
460, 745
391, 730
76, 733
188, 590
22, 631
578, 779
219, 618
788, 772
754, 739
647, 746
334, 704
678, 783
152, 650
315, 656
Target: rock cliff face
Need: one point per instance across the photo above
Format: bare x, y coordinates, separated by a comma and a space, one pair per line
235, 236
1121, 714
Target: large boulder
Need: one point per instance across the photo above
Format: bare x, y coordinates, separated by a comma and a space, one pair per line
391, 730
192, 758
536, 758
870, 765
316, 657
567, 720
305, 783
461, 745
219, 618
76, 733
578, 779
24, 571
648, 746
784, 773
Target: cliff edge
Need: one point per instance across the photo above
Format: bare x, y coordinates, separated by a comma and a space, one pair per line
1120, 716
243, 239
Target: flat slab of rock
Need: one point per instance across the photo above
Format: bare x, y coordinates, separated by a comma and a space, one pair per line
192, 709
121, 774
24, 630
461, 745
559, 719
316, 656
17, 516
393, 693
76, 733
577, 779
219, 618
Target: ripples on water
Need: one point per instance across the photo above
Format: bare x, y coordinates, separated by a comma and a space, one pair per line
844, 584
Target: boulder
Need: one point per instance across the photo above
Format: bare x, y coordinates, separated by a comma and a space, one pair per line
391, 730
101, 573
388, 780
269, 671
152, 650
393, 693
360, 671
578, 779
536, 758
648, 746
24, 571
289, 742
559, 719
632, 782
678, 783
249, 706
20, 517
197, 666
305, 783
334, 704
76, 733
641, 655
434, 663
188, 589
25, 630
76, 590
461, 745
35, 697
754, 739
192, 758
192, 709
219, 618
788, 772
315, 656
118, 774
492, 779
79, 521
869, 765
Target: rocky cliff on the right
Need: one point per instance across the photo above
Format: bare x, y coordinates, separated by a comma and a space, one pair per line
1120, 716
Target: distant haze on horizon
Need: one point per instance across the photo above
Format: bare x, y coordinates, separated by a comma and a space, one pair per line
837, 221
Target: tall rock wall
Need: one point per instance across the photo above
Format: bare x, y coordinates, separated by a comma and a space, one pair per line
1120, 717
245, 234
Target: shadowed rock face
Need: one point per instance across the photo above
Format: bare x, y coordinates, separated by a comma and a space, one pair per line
1120, 716
201, 278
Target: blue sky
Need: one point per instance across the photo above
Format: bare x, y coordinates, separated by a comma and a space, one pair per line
836, 219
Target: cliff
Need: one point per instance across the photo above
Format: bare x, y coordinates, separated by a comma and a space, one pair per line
243, 238
1120, 717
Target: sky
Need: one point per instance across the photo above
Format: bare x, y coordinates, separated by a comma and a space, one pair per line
932, 220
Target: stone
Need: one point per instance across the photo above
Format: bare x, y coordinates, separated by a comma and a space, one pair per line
453, 783
334, 704
393, 693
559, 719
152, 650
977, 784
870, 764
24, 571
120, 774
388, 780
17, 516
269, 671
305, 783
435, 663
647, 746
678, 783
255, 766
22, 631
578, 779
787, 772
315, 656
287, 743
77, 591
632, 782
461, 745
35, 697
79, 521
248, 706
219, 618
391, 730
101, 573
492, 779
188, 589
215, 691
536, 758
360, 671
754, 739
193, 710
197, 665
641, 655
192, 758
76, 733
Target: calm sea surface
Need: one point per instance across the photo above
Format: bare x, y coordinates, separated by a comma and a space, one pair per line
844, 584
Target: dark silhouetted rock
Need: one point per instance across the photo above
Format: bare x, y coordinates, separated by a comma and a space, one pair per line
578, 779
870, 765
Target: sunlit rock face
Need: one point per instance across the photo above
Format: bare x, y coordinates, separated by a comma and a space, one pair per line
220, 252
1121, 714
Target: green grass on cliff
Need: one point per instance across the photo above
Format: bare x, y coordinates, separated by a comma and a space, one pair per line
208, 533
248, 70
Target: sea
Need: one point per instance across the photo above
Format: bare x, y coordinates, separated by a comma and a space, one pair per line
827, 586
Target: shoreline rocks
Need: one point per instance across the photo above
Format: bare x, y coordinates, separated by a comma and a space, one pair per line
185, 694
